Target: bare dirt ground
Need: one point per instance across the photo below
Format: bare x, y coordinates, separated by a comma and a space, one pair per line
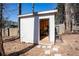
69, 47
16, 48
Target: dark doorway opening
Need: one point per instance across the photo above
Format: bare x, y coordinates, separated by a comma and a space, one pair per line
44, 30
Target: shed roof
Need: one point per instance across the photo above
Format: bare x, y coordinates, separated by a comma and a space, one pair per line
39, 13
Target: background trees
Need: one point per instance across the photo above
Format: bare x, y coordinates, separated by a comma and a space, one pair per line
68, 13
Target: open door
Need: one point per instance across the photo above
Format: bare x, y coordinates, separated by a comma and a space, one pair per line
44, 31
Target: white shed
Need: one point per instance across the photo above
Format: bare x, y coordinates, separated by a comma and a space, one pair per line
30, 26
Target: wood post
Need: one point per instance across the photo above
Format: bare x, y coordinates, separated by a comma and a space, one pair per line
19, 10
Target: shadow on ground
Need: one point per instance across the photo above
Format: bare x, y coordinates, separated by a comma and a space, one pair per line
10, 39
22, 51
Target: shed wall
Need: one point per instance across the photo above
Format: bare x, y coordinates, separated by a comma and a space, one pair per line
30, 28
27, 27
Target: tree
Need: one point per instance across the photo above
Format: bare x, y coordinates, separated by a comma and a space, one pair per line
61, 12
65, 15
60, 16
68, 17
1, 24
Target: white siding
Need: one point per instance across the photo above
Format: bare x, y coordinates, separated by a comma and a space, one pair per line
26, 27
52, 29
30, 28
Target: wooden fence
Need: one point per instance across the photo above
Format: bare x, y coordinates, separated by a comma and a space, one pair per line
10, 32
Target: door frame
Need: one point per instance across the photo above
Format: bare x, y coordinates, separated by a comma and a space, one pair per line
39, 29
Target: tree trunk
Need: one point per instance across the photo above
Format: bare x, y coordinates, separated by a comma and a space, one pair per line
68, 17
1, 41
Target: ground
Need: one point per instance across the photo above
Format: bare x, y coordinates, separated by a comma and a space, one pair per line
68, 47
16, 48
